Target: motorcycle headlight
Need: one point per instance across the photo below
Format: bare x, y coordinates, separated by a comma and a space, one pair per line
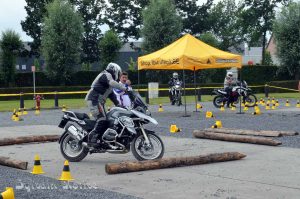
126, 121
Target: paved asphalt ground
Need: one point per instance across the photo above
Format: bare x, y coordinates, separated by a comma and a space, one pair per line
266, 172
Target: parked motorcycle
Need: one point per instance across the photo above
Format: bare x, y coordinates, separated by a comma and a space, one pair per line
125, 132
241, 89
176, 93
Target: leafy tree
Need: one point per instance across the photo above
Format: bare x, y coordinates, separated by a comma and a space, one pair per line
32, 23
287, 37
61, 40
257, 19
161, 25
92, 14
126, 16
109, 46
225, 24
10, 44
209, 39
195, 18
37, 64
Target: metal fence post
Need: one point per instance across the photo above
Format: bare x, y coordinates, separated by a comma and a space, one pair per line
21, 100
199, 94
56, 100
266, 90
147, 96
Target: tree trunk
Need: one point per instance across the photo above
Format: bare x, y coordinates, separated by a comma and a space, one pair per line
236, 138
28, 139
244, 132
6, 161
125, 167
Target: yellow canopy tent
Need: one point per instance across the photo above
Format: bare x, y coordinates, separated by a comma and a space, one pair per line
188, 53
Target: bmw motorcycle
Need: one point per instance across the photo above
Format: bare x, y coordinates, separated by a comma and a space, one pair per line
125, 132
241, 89
176, 93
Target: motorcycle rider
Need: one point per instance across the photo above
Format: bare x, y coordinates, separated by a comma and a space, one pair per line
229, 82
172, 83
101, 88
122, 96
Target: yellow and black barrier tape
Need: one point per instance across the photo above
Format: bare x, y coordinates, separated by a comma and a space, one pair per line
142, 90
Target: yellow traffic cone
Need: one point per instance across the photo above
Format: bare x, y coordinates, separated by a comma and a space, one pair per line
17, 118
287, 103
174, 129
267, 107
19, 112
246, 108
256, 110
160, 109
260, 101
13, 117
37, 111
199, 106
263, 103
209, 114
298, 104
25, 111
8, 194
273, 106
37, 167
243, 105
233, 108
277, 103
64, 108
66, 173
273, 101
222, 108
218, 124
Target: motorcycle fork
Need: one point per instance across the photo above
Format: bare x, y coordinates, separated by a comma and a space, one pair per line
145, 135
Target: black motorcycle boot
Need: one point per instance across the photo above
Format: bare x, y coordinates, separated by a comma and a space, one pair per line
92, 138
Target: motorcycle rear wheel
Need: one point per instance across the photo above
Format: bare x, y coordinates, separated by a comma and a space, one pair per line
218, 101
251, 99
72, 150
143, 152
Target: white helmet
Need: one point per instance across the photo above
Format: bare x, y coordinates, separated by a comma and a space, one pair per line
114, 69
229, 74
175, 75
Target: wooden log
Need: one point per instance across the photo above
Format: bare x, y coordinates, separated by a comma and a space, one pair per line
6, 161
284, 133
28, 139
125, 167
245, 132
236, 138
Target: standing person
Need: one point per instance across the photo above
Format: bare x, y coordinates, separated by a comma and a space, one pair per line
122, 96
101, 89
172, 83
229, 82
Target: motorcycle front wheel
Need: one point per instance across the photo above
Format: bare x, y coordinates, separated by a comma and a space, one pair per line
72, 150
218, 101
142, 151
251, 99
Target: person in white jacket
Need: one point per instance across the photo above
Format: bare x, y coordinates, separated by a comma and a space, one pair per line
122, 96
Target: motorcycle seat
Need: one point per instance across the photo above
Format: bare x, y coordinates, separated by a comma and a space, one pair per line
82, 116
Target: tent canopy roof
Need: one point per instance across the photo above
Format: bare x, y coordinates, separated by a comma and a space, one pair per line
188, 53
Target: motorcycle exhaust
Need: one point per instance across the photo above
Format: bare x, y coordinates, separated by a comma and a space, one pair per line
117, 151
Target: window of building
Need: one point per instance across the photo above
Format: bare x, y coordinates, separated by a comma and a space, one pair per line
17, 67
23, 67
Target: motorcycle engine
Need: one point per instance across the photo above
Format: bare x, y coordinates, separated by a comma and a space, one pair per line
109, 135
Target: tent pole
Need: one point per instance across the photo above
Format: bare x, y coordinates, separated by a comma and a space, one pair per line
185, 114
240, 90
138, 80
195, 85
